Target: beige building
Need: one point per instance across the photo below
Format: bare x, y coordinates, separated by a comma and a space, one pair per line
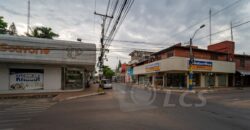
43, 64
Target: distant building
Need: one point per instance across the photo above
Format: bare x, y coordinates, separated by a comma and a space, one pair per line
42, 64
138, 56
213, 67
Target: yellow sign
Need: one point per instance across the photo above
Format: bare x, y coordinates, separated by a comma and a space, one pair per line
152, 67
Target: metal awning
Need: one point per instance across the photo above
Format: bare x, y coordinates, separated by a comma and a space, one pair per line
244, 72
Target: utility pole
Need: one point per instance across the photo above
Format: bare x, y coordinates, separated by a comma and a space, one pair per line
210, 26
102, 49
231, 26
28, 18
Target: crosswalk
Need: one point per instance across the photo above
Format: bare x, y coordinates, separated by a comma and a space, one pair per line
18, 113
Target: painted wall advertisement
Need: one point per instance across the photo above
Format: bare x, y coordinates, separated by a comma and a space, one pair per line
26, 79
202, 65
154, 67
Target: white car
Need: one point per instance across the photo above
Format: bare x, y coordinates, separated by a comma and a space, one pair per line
106, 83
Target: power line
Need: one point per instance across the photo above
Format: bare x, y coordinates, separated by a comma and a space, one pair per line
218, 32
213, 14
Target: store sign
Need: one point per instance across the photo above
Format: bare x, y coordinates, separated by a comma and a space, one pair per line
202, 65
130, 71
25, 79
154, 67
36, 50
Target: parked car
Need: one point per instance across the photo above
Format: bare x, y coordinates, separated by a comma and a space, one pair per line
106, 83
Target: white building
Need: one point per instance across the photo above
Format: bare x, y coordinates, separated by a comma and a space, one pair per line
43, 64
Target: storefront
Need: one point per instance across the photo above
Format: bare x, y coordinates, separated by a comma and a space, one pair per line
42, 64
173, 72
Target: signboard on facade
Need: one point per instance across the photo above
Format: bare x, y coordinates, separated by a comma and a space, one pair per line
202, 65
154, 67
37, 50
26, 79
130, 71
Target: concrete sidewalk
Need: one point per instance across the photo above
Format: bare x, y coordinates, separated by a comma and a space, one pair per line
91, 91
56, 95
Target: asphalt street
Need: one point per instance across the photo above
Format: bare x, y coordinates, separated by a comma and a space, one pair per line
123, 108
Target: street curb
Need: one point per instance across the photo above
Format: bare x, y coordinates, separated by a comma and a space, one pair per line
80, 96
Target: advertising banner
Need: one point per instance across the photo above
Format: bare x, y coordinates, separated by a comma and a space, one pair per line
202, 65
26, 79
35, 50
154, 67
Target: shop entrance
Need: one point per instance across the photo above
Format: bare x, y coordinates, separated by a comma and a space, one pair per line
73, 78
176, 80
210, 80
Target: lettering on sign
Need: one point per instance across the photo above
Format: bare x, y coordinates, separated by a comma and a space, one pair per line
154, 67
21, 79
23, 49
202, 65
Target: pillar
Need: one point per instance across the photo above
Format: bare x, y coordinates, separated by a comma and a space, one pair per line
202, 80
153, 80
187, 80
216, 81
227, 80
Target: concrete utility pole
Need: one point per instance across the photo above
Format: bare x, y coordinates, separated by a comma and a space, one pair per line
231, 26
210, 26
191, 58
28, 18
102, 49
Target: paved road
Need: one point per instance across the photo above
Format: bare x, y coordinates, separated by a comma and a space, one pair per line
125, 108
16, 112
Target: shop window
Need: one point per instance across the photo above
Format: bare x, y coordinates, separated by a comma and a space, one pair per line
222, 79
214, 57
209, 80
242, 62
26, 79
196, 79
176, 80
170, 54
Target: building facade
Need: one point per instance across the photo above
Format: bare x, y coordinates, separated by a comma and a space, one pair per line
215, 66
43, 64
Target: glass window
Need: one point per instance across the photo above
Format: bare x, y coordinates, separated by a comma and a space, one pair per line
222, 79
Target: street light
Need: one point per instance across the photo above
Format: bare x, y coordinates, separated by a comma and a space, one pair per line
191, 58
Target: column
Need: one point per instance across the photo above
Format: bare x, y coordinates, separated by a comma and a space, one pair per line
227, 80
202, 81
187, 79
163, 81
153, 80
216, 81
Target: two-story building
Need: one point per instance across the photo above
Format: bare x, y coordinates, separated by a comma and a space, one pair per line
213, 67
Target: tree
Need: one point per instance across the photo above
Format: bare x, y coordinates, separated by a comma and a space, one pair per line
43, 32
3, 26
12, 29
119, 66
107, 72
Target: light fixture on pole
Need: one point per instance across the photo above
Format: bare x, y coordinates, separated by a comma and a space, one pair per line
191, 58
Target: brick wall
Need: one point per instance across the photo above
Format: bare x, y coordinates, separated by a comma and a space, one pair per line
200, 54
225, 46
238, 60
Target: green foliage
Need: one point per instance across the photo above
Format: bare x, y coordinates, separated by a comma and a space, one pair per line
43, 32
119, 66
3, 26
107, 72
12, 29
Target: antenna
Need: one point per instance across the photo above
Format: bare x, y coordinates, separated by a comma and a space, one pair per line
210, 26
28, 18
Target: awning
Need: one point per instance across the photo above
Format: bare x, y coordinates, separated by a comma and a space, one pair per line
244, 72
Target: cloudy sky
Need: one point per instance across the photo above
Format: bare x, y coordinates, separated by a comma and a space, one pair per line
159, 23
